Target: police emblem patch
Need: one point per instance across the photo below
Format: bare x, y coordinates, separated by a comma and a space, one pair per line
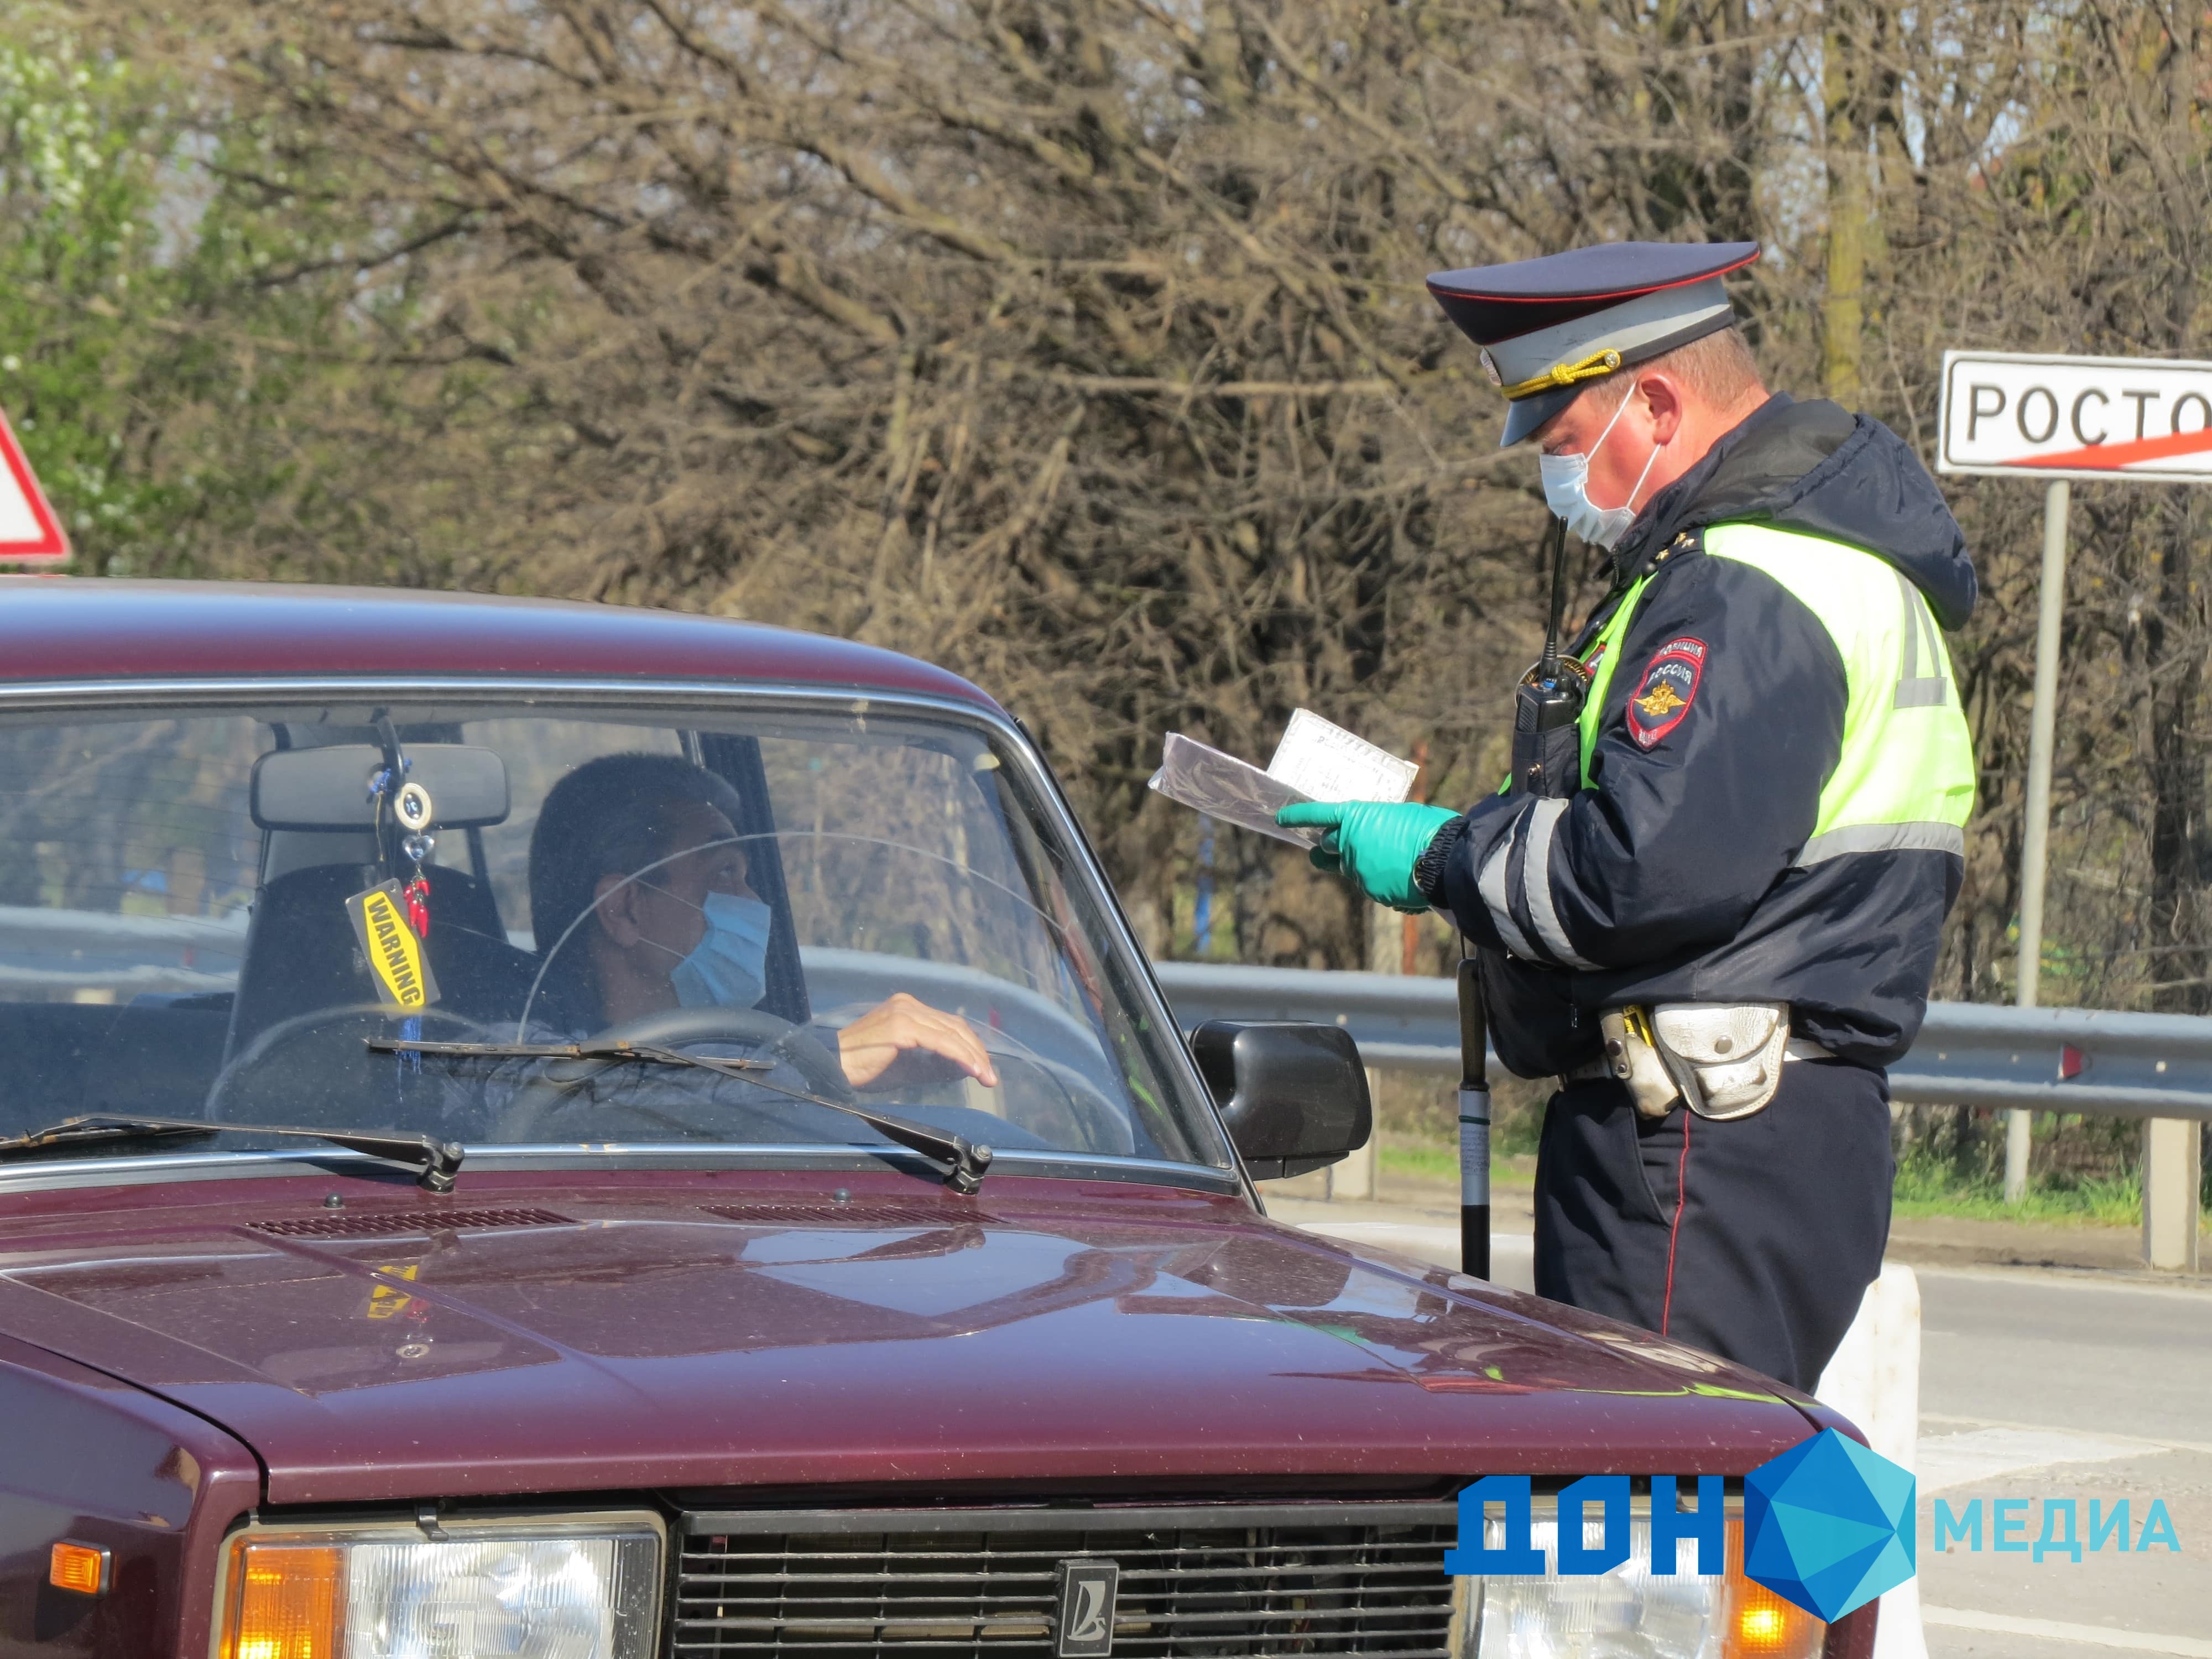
1669, 687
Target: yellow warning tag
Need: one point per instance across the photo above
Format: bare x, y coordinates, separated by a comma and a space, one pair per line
385, 1302
396, 960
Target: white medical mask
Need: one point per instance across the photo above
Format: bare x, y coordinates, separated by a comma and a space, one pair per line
1566, 490
728, 966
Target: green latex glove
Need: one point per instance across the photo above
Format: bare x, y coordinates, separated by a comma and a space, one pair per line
1373, 842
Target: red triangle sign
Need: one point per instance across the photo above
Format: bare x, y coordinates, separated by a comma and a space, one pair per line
28, 528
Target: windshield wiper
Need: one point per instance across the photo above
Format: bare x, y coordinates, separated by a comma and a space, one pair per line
969, 1161
440, 1161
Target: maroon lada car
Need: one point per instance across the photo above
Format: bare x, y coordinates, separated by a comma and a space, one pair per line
552, 1132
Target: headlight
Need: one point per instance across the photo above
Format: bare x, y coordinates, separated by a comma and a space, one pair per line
584, 1589
1629, 1613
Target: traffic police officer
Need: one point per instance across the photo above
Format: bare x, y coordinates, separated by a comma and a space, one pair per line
1721, 926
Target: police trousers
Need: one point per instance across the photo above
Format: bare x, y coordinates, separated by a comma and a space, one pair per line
1753, 1238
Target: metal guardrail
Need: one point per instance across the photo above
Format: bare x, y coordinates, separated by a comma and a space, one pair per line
46, 953
1969, 1053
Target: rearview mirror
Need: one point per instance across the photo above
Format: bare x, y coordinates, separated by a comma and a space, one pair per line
1293, 1094
327, 788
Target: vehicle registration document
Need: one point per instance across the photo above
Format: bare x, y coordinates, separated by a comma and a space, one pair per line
1315, 761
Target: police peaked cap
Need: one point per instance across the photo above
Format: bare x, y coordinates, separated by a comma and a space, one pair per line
1549, 326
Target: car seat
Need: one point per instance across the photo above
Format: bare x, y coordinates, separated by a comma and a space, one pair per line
301, 954
283, 1064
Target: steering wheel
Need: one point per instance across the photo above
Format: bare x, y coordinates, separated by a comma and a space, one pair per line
523, 1119
1036, 1088
280, 1041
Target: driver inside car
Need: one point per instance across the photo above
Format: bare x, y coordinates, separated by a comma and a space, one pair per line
640, 903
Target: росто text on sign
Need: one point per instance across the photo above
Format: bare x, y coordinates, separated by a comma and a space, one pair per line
2076, 417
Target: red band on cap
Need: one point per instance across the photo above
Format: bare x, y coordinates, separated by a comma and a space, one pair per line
1563, 299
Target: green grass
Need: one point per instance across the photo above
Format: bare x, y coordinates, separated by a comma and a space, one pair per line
1930, 1186
1423, 1162
1442, 1164
1925, 1187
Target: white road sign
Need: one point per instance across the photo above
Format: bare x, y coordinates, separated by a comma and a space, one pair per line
2076, 417
28, 528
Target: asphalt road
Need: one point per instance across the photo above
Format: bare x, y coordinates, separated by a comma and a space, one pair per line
2041, 1385
2035, 1384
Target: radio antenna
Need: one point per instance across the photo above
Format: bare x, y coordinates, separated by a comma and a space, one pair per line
1557, 536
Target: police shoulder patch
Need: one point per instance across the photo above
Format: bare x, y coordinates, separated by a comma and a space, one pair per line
1669, 687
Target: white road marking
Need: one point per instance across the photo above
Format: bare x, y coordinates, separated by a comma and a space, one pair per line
2143, 1447
1946, 1460
2102, 1281
2000, 1624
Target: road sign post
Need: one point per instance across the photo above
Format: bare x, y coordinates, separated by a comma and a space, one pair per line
2143, 419
2035, 838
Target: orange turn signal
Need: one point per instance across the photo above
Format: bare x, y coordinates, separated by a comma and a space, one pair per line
79, 1567
1759, 1624
284, 1602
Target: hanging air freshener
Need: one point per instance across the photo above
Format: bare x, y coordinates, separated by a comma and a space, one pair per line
391, 919
417, 894
413, 809
398, 964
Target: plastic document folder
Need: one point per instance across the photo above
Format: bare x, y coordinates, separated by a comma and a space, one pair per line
1315, 761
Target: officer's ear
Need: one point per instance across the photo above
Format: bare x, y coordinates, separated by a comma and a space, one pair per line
1664, 403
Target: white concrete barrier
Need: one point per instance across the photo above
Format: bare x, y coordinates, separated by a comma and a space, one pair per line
1874, 1380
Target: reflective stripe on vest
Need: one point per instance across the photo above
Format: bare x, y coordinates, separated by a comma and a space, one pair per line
1904, 777
1607, 654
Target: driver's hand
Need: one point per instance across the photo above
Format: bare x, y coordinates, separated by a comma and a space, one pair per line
872, 1044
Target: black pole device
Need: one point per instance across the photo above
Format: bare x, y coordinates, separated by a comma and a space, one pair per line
1550, 666
1546, 762
1547, 749
1474, 1125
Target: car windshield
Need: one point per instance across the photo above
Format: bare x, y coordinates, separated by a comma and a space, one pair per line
230, 916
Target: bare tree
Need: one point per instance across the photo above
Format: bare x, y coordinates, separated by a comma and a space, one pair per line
1080, 344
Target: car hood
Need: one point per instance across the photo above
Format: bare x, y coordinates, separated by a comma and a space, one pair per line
522, 1337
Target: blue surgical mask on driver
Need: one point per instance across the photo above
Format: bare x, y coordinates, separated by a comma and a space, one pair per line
728, 968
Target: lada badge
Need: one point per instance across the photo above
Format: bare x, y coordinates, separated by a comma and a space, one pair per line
1087, 1590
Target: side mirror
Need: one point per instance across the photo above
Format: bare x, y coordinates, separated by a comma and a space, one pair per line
1293, 1094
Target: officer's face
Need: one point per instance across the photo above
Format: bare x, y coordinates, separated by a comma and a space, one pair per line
1614, 431
1653, 440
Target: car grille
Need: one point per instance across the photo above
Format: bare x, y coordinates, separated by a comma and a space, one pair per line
1363, 1579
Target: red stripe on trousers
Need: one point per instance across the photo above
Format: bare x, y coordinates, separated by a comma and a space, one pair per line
1675, 1233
